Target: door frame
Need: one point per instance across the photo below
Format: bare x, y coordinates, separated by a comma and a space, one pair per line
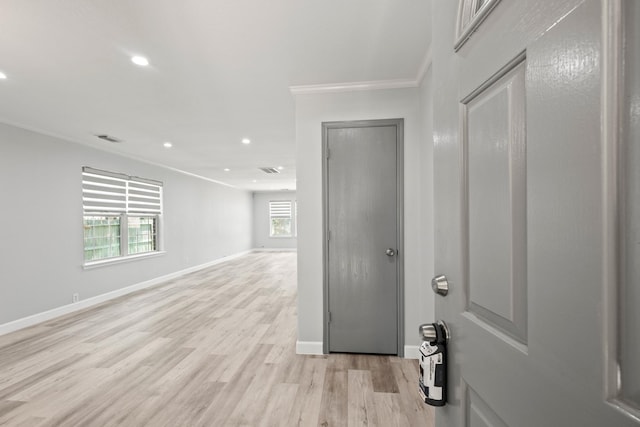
399, 124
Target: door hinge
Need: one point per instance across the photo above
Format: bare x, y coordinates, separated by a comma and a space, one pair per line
328, 317
328, 235
328, 153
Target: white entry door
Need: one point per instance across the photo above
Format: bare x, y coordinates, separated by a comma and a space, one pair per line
535, 117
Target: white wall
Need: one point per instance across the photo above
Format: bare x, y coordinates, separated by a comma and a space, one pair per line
311, 111
261, 226
41, 243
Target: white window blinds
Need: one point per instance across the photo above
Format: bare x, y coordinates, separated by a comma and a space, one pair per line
112, 193
280, 209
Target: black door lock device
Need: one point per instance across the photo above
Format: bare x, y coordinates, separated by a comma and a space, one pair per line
432, 382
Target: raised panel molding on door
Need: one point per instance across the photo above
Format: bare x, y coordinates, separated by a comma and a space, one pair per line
479, 413
493, 123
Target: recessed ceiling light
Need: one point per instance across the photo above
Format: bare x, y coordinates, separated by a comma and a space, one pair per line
255, 180
2, 75
167, 144
280, 167
227, 169
140, 60
246, 141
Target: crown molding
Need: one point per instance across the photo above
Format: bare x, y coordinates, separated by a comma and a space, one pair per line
367, 85
352, 87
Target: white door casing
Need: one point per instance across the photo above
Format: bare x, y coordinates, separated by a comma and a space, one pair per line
522, 167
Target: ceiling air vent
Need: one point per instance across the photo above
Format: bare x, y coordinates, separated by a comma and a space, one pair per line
269, 170
109, 138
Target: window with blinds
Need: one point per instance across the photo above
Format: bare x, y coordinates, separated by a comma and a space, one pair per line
280, 218
121, 214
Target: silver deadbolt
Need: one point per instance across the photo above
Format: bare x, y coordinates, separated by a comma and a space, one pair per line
390, 252
440, 285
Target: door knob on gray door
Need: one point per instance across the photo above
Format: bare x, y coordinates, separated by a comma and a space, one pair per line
390, 252
440, 285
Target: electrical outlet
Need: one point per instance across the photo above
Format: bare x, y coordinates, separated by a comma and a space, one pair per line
75, 297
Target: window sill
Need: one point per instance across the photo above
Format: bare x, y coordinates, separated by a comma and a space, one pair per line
119, 260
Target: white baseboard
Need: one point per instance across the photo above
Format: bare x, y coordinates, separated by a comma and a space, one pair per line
309, 347
411, 351
315, 348
25, 322
275, 249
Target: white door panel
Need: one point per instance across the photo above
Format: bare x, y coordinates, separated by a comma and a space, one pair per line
494, 143
520, 211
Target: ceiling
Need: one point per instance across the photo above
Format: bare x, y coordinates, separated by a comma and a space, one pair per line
220, 71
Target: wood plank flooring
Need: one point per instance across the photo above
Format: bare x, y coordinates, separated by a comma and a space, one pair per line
212, 348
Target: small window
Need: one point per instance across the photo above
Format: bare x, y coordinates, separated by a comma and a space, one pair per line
121, 215
280, 219
471, 13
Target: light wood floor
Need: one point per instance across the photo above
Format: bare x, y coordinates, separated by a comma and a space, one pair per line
213, 348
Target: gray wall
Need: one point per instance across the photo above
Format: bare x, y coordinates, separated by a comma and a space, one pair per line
261, 239
41, 243
426, 227
311, 111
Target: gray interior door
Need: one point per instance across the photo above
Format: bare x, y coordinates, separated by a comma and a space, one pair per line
531, 175
362, 249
